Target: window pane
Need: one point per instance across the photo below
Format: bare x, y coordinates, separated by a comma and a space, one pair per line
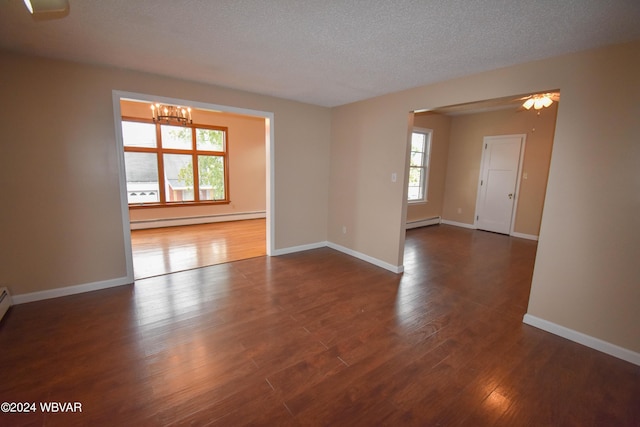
416, 184
415, 176
176, 137
208, 139
414, 193
417, 142
178, 177
419, 165
142, 177
211, 177
136, 134
416, 159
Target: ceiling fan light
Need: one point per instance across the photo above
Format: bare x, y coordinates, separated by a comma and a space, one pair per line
546, 101
528, 103
538, 104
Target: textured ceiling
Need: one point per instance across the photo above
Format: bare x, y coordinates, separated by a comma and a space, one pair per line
324, 52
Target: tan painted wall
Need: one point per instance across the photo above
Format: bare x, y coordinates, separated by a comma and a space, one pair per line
586, 275
247, 165
369, 142
465, 155
60, 220
58, 142
439, 124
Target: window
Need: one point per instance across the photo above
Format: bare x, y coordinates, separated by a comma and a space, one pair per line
174, 165
419, 165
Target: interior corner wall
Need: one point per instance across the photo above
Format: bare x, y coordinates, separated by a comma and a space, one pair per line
586, 272
369, 142
440, 125
61, 220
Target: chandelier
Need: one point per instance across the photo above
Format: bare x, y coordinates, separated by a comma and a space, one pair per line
538, 102
171, 114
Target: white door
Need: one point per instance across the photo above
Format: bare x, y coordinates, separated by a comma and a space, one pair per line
498, 182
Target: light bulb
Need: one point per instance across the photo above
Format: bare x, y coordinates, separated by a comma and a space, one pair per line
538, 104
528, 103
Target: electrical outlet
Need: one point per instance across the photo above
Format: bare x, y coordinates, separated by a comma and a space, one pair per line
344, 229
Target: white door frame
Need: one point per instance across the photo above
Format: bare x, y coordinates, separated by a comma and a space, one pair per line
523, 143
269, 148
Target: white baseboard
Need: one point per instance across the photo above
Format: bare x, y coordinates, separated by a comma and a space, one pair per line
393, 268
300, 248
70, 290
458, 224
423, 223
525, 236
173, 222
586, 340
396, 269
473, 227
88, 287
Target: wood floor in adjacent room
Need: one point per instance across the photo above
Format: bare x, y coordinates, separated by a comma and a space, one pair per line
158, 251
316, 338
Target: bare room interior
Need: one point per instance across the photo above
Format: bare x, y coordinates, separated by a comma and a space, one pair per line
172, 230
408, 273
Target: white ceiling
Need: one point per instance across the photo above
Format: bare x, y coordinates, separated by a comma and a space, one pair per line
324, 52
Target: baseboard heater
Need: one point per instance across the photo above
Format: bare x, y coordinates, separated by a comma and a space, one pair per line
423, 222
5, 301
193, 220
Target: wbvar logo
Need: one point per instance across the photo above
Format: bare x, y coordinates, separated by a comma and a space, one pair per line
60, 406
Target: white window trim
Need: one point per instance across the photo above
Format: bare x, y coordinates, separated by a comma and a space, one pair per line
426, 166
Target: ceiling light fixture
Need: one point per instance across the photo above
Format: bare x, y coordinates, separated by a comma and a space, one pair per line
170, 114
47, 9
538, 102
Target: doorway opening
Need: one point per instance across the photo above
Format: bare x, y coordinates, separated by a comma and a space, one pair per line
196, 192
456, 161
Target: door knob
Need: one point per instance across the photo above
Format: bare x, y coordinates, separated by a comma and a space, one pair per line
510, 196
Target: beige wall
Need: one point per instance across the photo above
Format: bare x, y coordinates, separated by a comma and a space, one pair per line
369, 142
586, 273
247, 165
440, 125
465, 155
60, 220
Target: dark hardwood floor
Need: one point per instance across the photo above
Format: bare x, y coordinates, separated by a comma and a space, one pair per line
316, 338
158, 251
